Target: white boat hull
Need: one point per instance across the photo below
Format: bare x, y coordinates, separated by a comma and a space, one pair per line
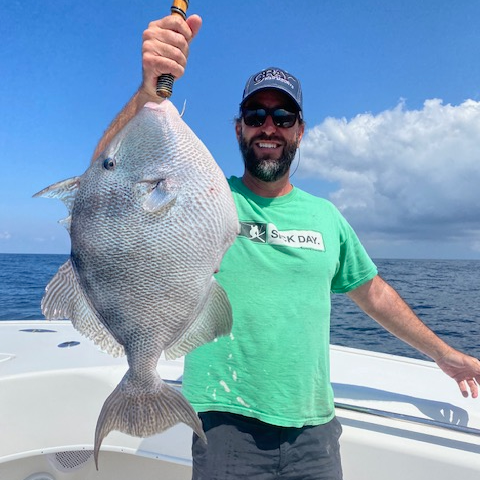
402, 418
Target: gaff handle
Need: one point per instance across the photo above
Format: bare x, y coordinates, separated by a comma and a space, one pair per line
165, 81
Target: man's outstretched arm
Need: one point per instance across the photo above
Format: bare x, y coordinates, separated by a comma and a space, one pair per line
381, 302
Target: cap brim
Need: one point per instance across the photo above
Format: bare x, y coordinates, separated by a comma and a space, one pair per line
270, 87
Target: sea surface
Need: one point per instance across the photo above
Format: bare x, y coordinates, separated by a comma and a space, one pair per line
443, 293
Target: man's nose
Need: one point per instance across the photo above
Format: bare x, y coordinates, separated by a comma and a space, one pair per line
269, 127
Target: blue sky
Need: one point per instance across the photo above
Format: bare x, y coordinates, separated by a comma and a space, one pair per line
391, 99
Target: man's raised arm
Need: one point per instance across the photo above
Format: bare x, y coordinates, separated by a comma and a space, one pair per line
165, 49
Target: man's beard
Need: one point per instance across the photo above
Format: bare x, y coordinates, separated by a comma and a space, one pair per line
267, 169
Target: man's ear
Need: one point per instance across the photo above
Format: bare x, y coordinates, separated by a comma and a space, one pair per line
238, 129
301, 131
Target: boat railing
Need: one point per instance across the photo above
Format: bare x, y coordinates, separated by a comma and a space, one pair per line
409, 418
390, 415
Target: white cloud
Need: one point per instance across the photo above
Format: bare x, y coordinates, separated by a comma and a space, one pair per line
5, 236
403, 173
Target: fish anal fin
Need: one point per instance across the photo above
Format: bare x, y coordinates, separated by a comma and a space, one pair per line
64, 298
214, 320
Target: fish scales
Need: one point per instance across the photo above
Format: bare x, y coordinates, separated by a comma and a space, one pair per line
150, 221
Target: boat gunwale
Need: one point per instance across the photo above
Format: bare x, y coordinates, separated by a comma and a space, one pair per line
385, 414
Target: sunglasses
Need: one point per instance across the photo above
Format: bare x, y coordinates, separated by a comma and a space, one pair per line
256, 117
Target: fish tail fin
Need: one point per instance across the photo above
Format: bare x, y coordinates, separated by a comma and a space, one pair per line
145, 414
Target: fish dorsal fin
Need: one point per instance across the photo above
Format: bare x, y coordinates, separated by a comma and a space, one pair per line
214, 320
64, 191
64, 298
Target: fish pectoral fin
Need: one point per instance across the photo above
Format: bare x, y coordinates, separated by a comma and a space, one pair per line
64, 298
214, 320
160, 195
143, 414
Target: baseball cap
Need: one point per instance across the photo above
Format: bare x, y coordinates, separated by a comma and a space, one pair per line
277, 79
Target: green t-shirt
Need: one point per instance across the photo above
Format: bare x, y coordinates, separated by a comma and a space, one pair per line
291, 253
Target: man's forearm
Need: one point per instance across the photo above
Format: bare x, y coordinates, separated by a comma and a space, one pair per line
128, 112
380, 301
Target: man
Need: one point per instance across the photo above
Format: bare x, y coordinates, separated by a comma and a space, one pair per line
263, 393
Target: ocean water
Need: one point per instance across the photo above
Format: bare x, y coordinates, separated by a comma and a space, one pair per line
22, 283
443, 293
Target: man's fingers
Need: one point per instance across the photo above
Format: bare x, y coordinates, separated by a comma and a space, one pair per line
166, 45
463, 388
473, 385
468, 387
194, 22
174, 23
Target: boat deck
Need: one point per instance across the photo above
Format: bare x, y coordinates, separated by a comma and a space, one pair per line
400, 416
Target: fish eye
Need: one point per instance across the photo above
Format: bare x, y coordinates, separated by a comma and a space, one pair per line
109, 164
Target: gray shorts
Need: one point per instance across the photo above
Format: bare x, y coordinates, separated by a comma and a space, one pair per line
242, 447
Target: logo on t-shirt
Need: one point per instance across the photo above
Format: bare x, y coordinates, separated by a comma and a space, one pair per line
268, 233
256, 232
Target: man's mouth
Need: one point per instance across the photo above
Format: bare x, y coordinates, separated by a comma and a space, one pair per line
268, 145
